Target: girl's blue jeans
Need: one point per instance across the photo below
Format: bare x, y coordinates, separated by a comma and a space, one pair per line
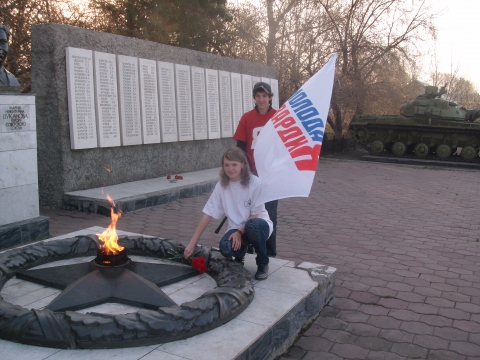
256, 233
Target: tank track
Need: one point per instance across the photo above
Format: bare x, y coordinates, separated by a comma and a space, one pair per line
429, 157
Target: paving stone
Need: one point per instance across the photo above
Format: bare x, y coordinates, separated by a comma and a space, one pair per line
372, 281
455, 296
432, 278
426, 291
373, 309
409, 350
469, 291
295, 353
436, 320
373, 343
410, 297
396, 335
352, 316
311, 355
468, 307
450, 334
465, 348
469, 326
384, 322
404, 315
345, 304
362, 329
431, 342
399, 286
339, 336
445, 355
423, 308
349, 351
364, 297
382, 291
314, 330
416, 282
415, 327
341, 292
310, 343
355, 286
330, 323
329, 311
474, 338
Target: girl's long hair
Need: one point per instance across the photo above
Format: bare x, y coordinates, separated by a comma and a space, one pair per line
235, 154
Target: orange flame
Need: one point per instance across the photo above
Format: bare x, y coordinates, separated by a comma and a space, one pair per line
109, 237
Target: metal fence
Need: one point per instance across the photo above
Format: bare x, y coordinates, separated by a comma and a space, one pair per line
338, 145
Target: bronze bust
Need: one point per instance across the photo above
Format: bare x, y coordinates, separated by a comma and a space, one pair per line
8, 82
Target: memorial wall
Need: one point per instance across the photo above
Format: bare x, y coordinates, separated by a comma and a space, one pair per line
113, 109
101, 116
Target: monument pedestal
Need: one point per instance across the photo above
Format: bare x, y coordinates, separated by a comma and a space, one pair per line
20, 220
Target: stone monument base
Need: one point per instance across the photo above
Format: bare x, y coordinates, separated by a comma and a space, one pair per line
287, 301
25, 231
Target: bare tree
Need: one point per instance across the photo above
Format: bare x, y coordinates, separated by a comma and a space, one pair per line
19, 15
371, 36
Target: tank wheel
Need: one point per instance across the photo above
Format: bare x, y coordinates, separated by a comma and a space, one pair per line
443, 151
468, 153
360, 134
399, 148
377, 147
421, 149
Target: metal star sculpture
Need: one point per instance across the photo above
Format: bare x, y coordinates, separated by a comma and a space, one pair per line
88, 284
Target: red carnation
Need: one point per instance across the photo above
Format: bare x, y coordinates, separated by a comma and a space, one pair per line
169, 177
179, 177
199, 264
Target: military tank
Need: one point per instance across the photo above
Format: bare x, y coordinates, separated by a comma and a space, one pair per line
427, 126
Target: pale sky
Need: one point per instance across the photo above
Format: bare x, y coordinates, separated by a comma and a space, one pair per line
457, 43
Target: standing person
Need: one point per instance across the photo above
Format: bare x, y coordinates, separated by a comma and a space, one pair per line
235, 196
246, 135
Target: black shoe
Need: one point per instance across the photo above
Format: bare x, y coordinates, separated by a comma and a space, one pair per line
262, 272
240, 260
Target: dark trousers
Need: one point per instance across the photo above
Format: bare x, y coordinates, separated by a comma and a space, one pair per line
271, 207
256, 233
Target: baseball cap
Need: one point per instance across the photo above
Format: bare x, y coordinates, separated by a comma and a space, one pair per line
262, 86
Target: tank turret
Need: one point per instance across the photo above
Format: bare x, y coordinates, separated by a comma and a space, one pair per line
427, 125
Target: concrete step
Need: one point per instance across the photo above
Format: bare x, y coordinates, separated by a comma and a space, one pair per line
141, 194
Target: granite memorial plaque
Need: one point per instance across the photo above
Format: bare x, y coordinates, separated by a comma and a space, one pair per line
16, 117
275, 99
106, 99
81, 98
149, 101
129, 96
213, 106
166, 93
184, 102
247, 89
200, 128
226, 121
237, 99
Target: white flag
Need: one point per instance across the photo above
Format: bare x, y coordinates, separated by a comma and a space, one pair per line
287, 149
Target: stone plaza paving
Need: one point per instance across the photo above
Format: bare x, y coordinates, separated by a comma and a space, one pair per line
406, 243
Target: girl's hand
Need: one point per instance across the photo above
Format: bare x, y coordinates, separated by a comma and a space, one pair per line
236, 240
189, 251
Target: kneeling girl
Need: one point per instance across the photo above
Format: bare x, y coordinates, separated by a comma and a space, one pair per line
235, 196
